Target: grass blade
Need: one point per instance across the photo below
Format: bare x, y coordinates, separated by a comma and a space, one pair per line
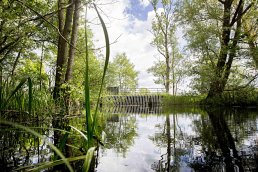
19, 86
86, 87
45, 165
83, 135
105, 66
88, 159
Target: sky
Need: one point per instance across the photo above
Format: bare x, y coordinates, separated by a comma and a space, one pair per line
130, 22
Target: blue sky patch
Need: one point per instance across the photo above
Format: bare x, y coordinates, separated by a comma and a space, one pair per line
137, 10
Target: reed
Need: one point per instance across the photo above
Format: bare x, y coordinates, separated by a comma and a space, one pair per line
92, 118
16, 98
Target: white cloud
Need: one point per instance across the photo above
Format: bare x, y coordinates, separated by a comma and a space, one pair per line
144, 3
134, 41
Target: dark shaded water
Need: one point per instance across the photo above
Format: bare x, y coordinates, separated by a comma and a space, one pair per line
139, 139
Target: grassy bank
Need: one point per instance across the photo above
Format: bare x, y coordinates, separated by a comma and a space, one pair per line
243, 98
184, 100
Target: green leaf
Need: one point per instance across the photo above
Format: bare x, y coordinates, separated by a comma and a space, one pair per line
105, 66
88, 158
83, 135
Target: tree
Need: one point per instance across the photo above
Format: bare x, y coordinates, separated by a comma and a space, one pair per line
163, 29
121, 73
177, 70
216, 34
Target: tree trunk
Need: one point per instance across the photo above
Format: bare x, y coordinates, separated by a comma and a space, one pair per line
41, 65
227, 51
71, 54
62, 46
76, 16
216, 85
167, 63
173, 73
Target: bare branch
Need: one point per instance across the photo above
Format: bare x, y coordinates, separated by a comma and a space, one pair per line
115, 41
161, 52
243, 86
237, 16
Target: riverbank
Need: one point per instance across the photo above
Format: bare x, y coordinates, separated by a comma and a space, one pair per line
227, 99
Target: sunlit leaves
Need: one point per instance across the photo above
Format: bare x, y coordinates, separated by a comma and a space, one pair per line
122, 73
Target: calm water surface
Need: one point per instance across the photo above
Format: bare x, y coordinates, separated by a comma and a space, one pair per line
142, 139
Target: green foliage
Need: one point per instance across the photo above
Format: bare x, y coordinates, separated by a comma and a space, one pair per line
121, 73
242, 97
158, 70
204, 34
32, 69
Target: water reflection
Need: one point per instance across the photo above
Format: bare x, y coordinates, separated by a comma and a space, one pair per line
182, 140
20, 149
145, 139
120, 133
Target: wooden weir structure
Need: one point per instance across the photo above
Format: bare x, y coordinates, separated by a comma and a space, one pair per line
135, 100
144, 97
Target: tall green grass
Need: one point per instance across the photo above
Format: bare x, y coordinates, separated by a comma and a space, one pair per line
16, 98
92, 118
182, 100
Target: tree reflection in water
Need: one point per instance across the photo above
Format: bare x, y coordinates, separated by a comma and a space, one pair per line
182, 140
217, 143
222, 138
170, 160
120, 132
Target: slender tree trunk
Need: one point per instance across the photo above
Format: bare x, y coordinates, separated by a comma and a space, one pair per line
71, 54
62, 46
167, 63
173, 73
74, 36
